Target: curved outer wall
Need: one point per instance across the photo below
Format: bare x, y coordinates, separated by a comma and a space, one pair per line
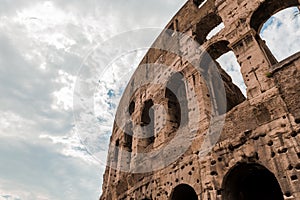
262, 129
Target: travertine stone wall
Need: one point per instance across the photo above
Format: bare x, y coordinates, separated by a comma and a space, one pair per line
260, 137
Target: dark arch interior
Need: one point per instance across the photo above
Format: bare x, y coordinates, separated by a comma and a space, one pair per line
147, 121
267, 9
177, 100
116, 153
234, 96
128, 137
183, 192
205, 25
131, 107
147, 113
251, 182
218, 49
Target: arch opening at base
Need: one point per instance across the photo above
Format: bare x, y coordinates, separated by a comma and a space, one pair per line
183, 192
251, 181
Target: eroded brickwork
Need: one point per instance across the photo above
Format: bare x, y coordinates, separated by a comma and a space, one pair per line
257, 155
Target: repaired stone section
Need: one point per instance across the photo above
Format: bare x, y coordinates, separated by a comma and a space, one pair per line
260, 138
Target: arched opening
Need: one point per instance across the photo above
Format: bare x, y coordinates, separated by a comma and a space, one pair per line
127, 146
217, 49
281, 33
261, 15
229, 63
116, 153
128, 137
131, 107
251, 181
183, 192
229, 69
147, 122
267, 9
206, 25
177, 101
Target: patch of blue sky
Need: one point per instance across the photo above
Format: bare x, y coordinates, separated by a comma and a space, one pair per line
271, 22
268, 23
111, 105
293, 12
111, 93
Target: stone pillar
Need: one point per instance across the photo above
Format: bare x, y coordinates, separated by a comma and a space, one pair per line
255, 60
125, 148
161, 124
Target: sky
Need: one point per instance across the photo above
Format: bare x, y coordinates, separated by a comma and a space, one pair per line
44, 46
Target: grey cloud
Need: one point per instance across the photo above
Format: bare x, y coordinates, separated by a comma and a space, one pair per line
36, 165
37, 168
27, 90
9, 7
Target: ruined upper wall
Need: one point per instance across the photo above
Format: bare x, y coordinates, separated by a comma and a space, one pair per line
243, 20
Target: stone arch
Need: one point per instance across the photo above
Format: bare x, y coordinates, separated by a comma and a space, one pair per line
116, 153
218, 48
147, 121
250, 181
234, 95
205, 25
183, 192
273, 38
264, 11
268, 8
131, 107
128, 136
177, 100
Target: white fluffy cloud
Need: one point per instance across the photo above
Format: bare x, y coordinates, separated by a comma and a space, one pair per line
43, 44
281, 33
230, 64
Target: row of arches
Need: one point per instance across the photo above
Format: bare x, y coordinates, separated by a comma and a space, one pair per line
245, 181
142, 139
175, 90
274, 47
177, 111
258, 20
219, 51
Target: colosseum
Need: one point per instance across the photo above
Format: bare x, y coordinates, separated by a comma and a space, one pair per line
184, 130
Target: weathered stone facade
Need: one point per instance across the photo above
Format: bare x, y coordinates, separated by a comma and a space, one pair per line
257, 155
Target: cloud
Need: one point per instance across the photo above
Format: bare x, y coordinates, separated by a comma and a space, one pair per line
214, 31
229, 63
281, 33
43, 44
42, 171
